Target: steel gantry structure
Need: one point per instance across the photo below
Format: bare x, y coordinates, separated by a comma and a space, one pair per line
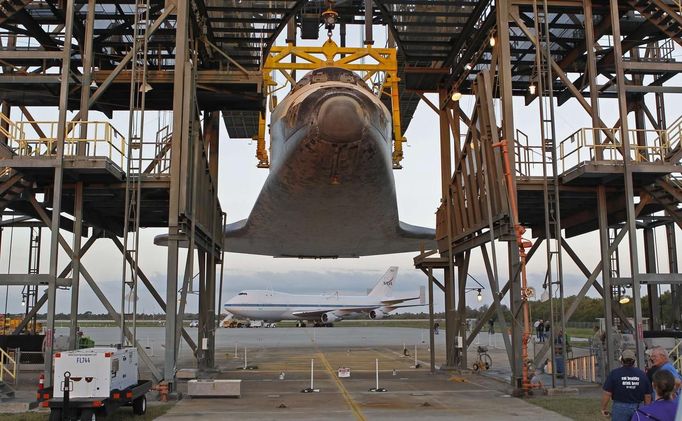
204, 59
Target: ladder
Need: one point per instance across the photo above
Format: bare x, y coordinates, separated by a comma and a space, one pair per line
131, 226
545, 93
29, 295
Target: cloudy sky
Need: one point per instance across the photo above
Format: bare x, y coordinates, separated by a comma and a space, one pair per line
418, 191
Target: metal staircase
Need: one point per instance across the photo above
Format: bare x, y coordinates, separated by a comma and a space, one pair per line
664, 15
9, 7
12, 188
668, 193
6, 392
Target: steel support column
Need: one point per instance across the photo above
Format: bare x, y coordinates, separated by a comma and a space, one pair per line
462, 272
432, 348
652, 289
57, 186
606, 276
203, 305
77, 236
450, 319
503, 45
672, 265
629, 189
179, 136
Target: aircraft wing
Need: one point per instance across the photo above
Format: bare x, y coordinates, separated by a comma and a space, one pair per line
340, 311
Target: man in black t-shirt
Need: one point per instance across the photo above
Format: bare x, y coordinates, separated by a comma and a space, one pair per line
628, 387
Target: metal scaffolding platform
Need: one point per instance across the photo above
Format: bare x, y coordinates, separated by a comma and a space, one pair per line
204, 58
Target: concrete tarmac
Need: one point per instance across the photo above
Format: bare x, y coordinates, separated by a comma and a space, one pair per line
412, 393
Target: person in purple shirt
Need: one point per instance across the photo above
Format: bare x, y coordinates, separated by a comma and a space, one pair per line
627, 387
665, 406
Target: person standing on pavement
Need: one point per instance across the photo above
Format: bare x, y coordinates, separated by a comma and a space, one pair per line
628, 387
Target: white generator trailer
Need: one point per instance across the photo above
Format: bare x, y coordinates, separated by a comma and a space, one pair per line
99, 381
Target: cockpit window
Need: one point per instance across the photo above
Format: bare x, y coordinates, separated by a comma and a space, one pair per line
242, 293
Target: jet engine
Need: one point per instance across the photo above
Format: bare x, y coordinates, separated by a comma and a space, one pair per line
330, 317
376, 314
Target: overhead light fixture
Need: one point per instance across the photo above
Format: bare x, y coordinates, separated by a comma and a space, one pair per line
531, 89
624, 299
492, 41
456, 96
479, 297
146, 87
468, 67
93, 84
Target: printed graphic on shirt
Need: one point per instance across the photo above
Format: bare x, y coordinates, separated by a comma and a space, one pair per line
630, 382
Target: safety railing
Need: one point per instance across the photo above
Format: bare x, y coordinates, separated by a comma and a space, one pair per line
8, 365
528, 157
9, 129
675, 133
96, 138
663, 51
156, 155
582, 368
604, 144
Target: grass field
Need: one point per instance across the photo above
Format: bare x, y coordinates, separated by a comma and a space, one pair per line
153, 411
580, 332
576, 408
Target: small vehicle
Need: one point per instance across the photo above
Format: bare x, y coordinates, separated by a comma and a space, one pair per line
90, 384
484, 361
194, 323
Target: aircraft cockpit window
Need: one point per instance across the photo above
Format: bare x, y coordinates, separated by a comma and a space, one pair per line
242, 293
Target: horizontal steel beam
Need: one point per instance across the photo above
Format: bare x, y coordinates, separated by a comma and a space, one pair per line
651, 278
29, 54
31, 279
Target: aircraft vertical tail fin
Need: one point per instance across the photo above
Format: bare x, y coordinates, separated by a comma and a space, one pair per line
385, 284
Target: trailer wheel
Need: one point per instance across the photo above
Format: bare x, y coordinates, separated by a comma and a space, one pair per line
140, 405
56, 414
88, 415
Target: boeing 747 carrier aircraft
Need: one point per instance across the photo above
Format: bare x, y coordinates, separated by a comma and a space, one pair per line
272, 306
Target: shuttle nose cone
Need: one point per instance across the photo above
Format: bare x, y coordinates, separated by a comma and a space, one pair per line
340, 119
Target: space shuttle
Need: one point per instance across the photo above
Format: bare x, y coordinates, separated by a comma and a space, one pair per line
330, 192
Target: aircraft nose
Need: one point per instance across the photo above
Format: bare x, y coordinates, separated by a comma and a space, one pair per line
341, 119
